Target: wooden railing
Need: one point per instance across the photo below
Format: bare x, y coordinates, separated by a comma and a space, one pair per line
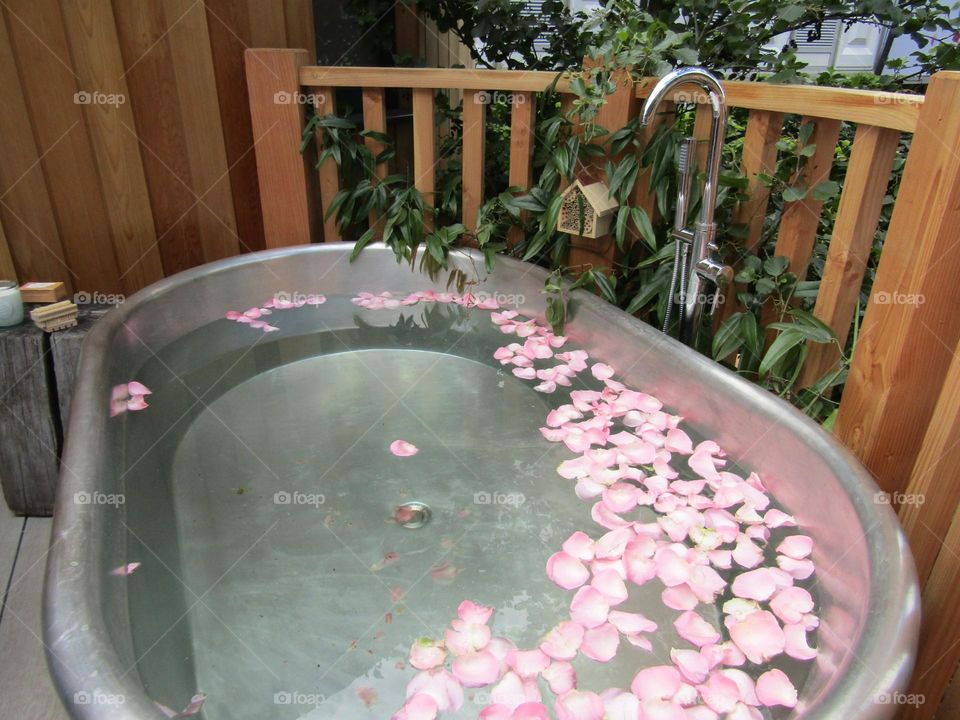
900, 411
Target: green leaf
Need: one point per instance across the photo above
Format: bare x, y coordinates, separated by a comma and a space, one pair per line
728, 337
776, 265
605, 284
781, 346
825, 190
644, 226
361, 243
620, 228
792, 194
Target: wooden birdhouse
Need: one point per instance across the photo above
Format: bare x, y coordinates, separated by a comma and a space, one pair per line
586, 210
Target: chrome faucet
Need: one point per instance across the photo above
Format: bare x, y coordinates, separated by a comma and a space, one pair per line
697, 257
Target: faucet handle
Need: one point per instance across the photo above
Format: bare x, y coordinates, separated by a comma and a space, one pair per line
721, 275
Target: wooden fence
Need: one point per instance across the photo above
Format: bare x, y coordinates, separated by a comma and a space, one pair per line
901, 408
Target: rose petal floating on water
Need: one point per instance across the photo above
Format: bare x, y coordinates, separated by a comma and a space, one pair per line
620, 705
388, 559
421, 706
476, 669
566, 571
464, 638
694, 629
795, 642
560, 676
720, 693
444, 572
610, 584
528, 663
630, 623
195, 705
797, 547
589, 607
137, 403
125, 570
600, 643
601, 371
563, 641
513, 691
775, 688
791, 604
757, 584
579, 705
427, 653
401, 448
692, 665
439, 684
580, 546
745, 685
471, 612
799, 569
758, 635
657, 682
777, 518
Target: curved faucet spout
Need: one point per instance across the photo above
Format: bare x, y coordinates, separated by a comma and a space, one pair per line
703, 263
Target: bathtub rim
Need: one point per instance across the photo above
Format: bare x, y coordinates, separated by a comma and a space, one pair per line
70, 596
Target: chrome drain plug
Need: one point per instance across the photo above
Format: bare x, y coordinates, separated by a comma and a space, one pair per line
412, 515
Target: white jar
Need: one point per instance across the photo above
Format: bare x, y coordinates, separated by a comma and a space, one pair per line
11, 306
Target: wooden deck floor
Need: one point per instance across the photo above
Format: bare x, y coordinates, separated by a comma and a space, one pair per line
26, 690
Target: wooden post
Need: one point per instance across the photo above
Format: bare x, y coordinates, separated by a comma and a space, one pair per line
474, 145
864, 188
759, 156
523, 117
375, 118
286, 177
328, 176
424, 149
911, 326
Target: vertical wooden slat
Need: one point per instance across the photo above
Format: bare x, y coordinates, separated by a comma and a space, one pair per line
474, 133
300, 28
7, 269
142, 30
759, 156
406, 29
268, 25
702, 121
95, 50
523, 114
375, 118
287, 180
934, 477
25, 208
424, 148
911, 324
229, 25
939, 649
861, 201
202, 130
798, 226
56, 112
329, 173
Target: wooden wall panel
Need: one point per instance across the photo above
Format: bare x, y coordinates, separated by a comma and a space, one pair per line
55, 106
7, 269
142, 30
228, 22
202, 131
26, 211
99, 67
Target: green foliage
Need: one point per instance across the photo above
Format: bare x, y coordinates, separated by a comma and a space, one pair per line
767, 341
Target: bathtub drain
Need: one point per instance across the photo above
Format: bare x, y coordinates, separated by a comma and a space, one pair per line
412, 515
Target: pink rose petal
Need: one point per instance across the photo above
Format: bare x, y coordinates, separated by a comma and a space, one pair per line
528, 663
797, 547
476, 669
401, 448
577, 705
471, 612
601, 371
589, 607
758, 635
563, 641
657, 682
560, 676
426, 653
775, 688
566, 571
600, 643
694, 629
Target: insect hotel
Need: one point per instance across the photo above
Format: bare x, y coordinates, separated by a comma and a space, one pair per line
586, 210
